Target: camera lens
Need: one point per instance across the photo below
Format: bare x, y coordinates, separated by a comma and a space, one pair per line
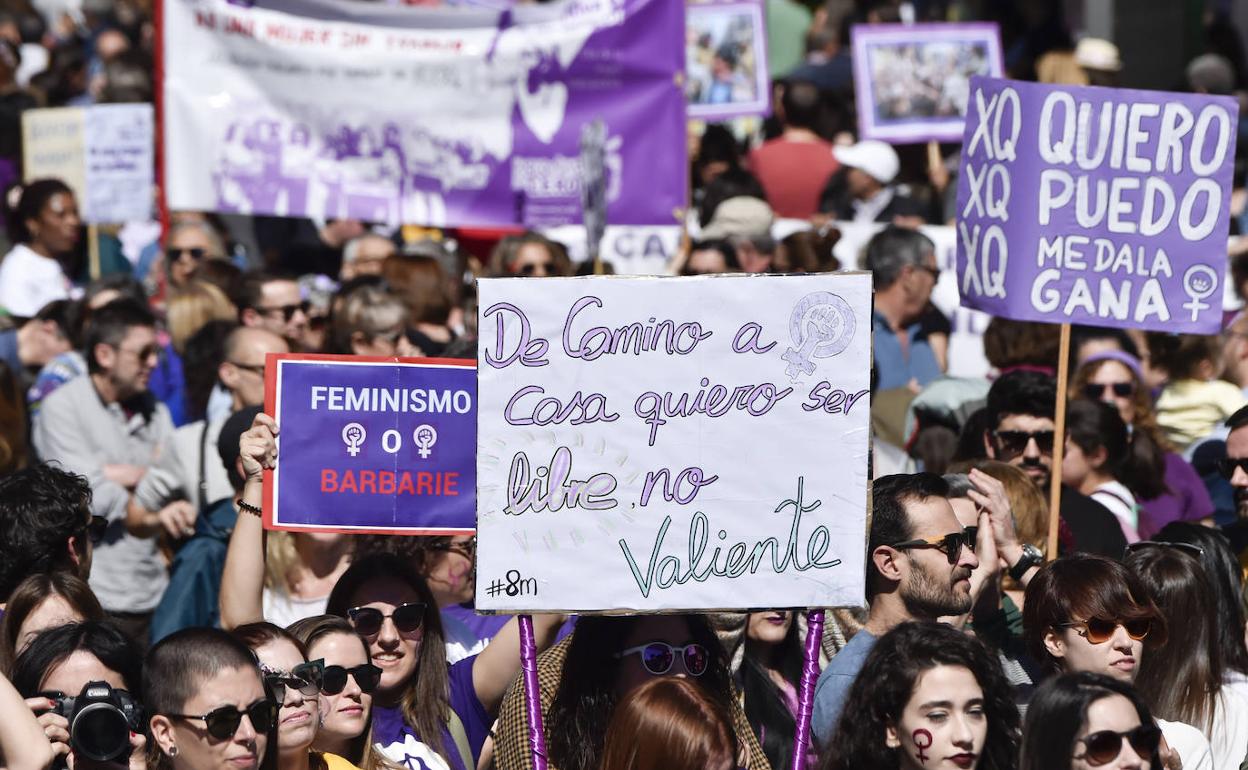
100, 732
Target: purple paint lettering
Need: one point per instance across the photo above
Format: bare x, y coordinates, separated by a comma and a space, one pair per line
528, 352
750, 343
552, 489
631, 339
652, 407
672, 490
551, 411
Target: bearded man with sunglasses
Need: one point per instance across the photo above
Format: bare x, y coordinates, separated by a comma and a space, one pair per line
919, 564
1020, 432
109, 427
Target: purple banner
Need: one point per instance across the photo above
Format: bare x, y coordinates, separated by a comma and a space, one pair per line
372, 445
1099, 206
445, 116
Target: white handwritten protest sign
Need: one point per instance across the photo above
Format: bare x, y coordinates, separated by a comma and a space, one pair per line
672, 443
105, 153
1103, 206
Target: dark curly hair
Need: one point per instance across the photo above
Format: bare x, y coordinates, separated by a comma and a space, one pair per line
586, 697
41, 507
887, 681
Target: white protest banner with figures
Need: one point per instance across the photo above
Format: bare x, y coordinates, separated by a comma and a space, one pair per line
1101, 206
664, 444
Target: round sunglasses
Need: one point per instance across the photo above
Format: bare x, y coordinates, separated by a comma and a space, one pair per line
306, 678
1100, 630
334, 679
658, 657
368, 620
1103, 747
223, 722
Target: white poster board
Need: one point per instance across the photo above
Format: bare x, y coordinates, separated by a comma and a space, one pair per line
594, 492
105, 153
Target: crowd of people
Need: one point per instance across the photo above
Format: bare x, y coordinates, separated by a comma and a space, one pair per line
149, 621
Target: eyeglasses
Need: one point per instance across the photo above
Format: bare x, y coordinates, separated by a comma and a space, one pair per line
368, 620
934, 272
96, 528
1104, 746
658, 657
222, 723
142, 353
1096, 390
951, 544
305, 677
1188, 548
1227, 466
334, 678
1012, 443
253, 368
288, 311
531, 268
176, 254
1100, 630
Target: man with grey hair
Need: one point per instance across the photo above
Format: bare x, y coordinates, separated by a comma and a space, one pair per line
364, 255
904, 272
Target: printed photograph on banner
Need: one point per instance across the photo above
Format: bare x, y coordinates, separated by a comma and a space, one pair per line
325, 128
726, 60
664, 444
1100, 206
912, 81
372, 445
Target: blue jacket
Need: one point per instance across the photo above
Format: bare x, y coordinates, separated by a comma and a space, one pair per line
195, 580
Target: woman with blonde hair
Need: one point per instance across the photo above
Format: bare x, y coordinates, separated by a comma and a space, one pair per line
370, 321
191, 307
670, 723
1169, 489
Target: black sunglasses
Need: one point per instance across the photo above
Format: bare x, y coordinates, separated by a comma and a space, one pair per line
1188, 548
1104, 746
1227, 466
1012, 443
222, 723
368, 620
1096, 390
531, 268
288, 311
176, 254
305, 677
96, 529
334, 678
951, 544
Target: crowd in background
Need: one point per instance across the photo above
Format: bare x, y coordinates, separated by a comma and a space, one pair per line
135, 574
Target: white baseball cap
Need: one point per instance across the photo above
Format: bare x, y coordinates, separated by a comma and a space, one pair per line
1096, 54
876, 158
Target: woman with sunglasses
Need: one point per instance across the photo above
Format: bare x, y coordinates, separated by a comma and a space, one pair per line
1084, 720
347, 684
208, 705
190, 242
295, 685
1182, 676
1091, 614
1167, 487
928, 696
1096, 461
587, 674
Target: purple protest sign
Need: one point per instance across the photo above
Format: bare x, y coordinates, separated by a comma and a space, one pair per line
452, 116
372, 445
1100, 206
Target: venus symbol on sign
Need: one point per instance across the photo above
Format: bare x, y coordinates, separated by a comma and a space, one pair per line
353, 436
425, 437
821, 325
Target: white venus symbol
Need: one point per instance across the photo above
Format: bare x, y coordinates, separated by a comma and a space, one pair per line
353, 436
425, 437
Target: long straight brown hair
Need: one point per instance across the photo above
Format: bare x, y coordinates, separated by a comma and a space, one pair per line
426, 702
669, 724
1181, 675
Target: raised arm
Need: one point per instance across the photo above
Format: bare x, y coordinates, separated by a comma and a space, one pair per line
242, 583
23, 746
499, 663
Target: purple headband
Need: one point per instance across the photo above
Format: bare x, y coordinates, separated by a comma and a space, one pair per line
1126, 359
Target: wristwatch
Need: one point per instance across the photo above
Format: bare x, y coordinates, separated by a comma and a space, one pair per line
1030, 558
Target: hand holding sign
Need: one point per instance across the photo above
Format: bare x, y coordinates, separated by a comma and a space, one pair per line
258, 447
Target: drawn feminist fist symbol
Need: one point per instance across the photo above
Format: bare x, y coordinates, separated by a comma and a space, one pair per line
821, 326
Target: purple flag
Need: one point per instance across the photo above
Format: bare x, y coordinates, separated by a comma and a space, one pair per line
1100, 206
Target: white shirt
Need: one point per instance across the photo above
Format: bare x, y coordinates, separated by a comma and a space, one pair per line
1229, 737
1120, 502
282, 609
28, 281
1190, 743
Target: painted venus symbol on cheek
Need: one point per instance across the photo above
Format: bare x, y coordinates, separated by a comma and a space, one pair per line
922, 745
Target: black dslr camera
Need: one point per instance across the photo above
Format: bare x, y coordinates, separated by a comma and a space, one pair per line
100, 719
